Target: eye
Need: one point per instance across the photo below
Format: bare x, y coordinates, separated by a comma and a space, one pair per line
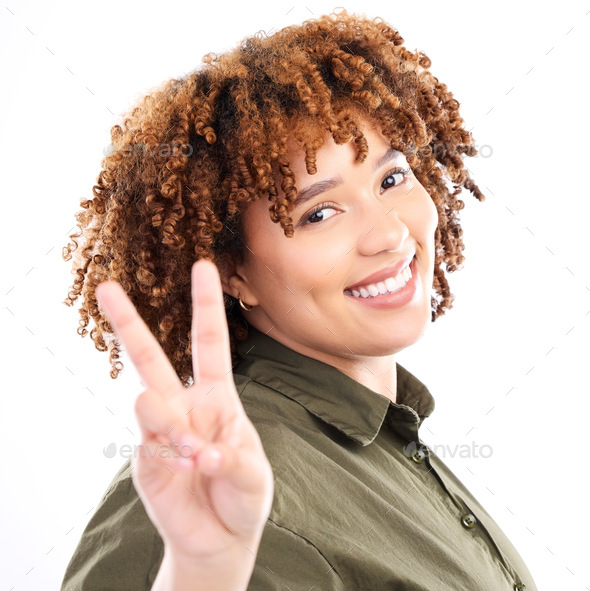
395, 177
317, 213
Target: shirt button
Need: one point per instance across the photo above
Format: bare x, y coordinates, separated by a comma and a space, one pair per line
519, 587
418, 456
468, 521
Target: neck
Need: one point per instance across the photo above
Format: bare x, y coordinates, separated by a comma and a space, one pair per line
376, 373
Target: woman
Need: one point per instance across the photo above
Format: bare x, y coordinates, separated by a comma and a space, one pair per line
313, 175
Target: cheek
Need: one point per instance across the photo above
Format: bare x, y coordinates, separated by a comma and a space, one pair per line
276, 262
299, 265
300, 270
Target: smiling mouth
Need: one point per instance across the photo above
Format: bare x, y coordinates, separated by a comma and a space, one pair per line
385, 287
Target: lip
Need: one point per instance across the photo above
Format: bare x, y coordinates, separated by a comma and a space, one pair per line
395, 300
390, 271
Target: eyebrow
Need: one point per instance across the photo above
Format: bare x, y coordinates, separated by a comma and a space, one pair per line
391, 154
327, 184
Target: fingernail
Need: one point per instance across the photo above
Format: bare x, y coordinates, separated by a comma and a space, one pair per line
185, 448
214, 460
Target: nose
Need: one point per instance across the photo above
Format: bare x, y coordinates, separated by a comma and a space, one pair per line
380, 229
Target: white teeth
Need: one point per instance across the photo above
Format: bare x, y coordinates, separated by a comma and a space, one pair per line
389, 285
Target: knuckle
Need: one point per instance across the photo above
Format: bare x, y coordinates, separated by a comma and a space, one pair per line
208, 336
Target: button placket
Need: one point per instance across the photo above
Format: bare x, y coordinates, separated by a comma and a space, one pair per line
425, 462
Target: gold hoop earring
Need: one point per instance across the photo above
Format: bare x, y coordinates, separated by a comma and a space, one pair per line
243, 305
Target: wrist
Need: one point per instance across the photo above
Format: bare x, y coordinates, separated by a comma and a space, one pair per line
225, 571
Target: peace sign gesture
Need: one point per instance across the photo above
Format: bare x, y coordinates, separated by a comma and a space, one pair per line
210, 493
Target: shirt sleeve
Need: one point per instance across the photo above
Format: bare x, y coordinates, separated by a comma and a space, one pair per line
120, 549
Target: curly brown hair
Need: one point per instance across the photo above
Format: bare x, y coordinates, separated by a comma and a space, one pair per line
191, 155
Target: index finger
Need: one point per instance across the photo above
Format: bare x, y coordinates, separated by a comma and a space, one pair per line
210, 337
144, 350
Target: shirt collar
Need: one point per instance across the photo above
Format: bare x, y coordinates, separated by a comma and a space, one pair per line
328, 393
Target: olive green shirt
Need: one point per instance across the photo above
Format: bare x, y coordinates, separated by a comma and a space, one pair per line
360, 503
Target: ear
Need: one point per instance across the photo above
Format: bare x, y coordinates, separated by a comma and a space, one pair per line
234, 282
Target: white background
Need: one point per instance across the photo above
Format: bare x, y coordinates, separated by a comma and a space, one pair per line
508, 365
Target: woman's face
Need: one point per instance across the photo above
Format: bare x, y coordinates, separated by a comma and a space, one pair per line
355, 220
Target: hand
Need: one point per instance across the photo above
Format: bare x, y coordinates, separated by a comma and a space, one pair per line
214, 497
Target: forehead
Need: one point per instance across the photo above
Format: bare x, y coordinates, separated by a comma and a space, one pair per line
308, 139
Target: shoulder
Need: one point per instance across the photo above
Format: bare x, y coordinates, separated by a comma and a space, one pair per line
271, 410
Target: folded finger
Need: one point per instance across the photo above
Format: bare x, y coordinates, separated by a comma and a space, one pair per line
156, 418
